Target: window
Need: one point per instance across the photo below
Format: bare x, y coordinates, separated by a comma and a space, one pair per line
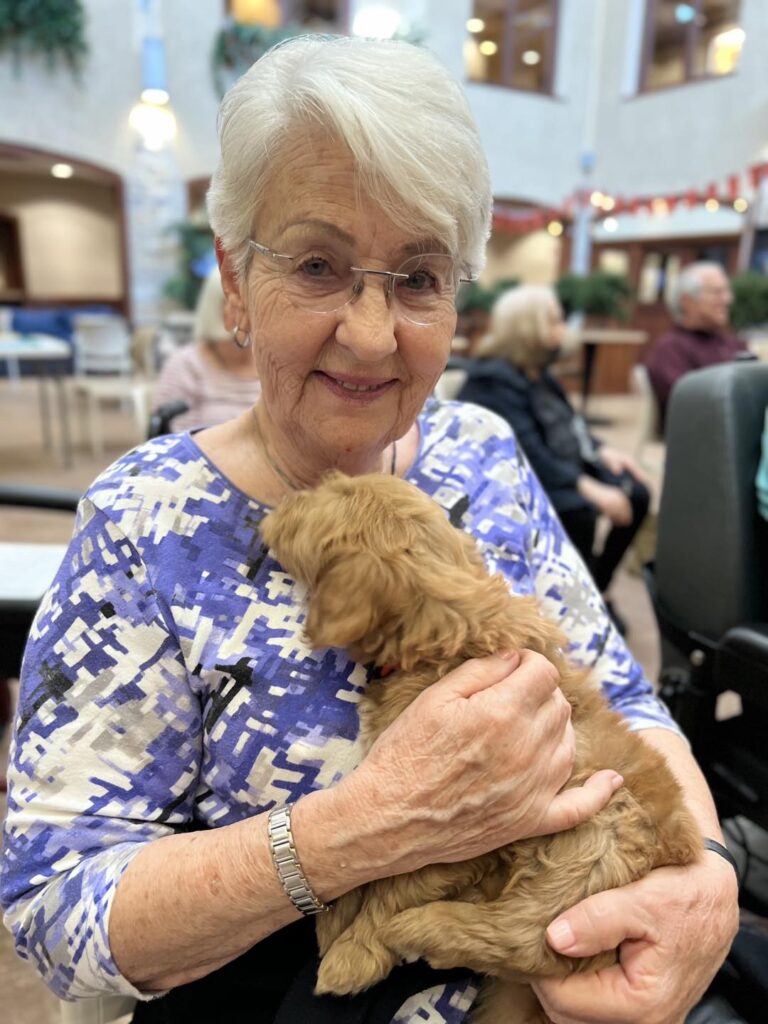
686, 42
512, 43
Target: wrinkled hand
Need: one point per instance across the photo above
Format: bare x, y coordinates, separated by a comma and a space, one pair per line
617, 462
475, 762
611, 501
674, 929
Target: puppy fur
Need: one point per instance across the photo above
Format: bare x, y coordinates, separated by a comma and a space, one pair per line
394, 583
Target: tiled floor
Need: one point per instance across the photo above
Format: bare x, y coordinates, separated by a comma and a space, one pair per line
23, 999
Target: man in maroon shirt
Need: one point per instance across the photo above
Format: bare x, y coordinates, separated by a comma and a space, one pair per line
699, 304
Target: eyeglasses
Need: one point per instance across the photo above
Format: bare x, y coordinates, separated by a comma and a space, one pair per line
322, 280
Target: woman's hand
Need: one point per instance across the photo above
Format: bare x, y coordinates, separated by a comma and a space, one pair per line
617, 462
476, 761
611, 501
673, 929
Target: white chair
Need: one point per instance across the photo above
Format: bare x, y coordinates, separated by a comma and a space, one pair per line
102, 1010
648, 427
450, 383
112, 366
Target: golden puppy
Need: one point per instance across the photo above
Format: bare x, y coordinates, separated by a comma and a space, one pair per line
393, 582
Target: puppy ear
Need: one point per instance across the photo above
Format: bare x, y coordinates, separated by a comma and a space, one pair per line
349, 601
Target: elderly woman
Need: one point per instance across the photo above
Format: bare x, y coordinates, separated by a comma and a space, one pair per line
215, 378
170, 708
583, 477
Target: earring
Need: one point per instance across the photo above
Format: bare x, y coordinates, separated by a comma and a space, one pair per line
246, 343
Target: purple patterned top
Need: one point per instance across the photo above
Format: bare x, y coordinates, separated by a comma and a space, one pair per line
166, 679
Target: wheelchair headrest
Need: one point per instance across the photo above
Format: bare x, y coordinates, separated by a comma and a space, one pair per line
711, 568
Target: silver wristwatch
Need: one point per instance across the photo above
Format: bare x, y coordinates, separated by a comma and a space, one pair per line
287, 865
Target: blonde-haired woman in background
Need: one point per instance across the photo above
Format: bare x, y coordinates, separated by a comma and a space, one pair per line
583, 477
215, 378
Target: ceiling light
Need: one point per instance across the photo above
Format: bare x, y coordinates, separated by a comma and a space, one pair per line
530, 57
731, 37
660, 207
159, 97
555, 228
740, 205
488, 48
597, 198
156, 125
684, 13
62, 170
475, 25
608, 203
711, 206
610, 223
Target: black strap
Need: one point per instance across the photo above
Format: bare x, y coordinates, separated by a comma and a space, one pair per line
724, 852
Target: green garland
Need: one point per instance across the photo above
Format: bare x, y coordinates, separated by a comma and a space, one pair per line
54, 29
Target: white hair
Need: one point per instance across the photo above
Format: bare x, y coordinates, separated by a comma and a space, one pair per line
520, 325
397, 110
688, 283
209, 311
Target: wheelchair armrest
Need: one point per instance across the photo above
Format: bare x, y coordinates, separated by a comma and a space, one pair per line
57, 499
742, 663
161, 418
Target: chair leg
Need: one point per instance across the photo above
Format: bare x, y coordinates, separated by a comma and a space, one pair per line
94, 427
140, 411
81, 402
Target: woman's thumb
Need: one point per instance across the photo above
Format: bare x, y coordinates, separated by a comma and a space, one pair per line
480, 673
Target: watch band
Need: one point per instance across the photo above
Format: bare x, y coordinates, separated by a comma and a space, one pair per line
288, 866
724, 852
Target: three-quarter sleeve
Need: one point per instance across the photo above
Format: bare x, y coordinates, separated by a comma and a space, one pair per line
568, 595
105, 756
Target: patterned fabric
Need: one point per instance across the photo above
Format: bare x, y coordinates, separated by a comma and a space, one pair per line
166, 679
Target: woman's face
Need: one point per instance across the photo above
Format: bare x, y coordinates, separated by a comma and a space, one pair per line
555, 335
353, 380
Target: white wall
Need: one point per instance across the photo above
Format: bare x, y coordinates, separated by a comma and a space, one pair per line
531, 259
188, 45
68, 235
88, 120
686, 136
533, 142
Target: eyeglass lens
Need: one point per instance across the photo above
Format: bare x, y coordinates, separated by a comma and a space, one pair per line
322, 280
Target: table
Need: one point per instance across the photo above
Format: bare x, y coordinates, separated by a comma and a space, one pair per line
51, 355
591, 338
26, 572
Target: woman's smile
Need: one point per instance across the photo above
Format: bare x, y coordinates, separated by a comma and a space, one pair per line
359, 390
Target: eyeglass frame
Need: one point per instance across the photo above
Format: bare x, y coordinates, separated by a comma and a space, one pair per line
391, 275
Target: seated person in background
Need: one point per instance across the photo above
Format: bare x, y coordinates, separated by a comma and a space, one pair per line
582, 477
214, 376
699, 304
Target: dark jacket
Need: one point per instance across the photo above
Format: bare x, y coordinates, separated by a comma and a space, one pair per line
550, 432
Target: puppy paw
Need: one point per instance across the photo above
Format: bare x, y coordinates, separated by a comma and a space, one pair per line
350, 967
406, 935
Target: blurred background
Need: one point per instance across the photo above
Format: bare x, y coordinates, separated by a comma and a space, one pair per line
626, 138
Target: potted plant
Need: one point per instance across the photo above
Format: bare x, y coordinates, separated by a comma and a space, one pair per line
598, 294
